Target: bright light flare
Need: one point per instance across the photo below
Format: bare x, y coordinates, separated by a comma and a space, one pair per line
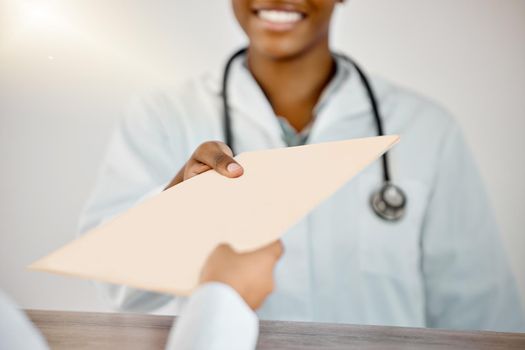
39, 15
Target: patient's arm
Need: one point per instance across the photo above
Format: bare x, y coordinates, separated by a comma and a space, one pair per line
219, 315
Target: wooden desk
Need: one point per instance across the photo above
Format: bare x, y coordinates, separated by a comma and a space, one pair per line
81, 330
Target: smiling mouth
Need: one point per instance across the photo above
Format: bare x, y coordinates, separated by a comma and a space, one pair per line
280, 16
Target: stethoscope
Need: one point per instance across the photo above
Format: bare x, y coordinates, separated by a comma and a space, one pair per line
389, 202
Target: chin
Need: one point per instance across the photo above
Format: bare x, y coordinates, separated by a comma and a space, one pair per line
277, 49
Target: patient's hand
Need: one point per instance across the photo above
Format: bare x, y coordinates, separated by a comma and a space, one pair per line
250, 274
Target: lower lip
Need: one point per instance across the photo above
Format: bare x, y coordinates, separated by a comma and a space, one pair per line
277, 27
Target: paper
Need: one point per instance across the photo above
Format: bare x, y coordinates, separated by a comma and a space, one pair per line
162, 244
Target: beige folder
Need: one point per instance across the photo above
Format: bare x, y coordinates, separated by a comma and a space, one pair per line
161, 244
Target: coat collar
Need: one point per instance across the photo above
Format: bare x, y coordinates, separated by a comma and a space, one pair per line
347, 101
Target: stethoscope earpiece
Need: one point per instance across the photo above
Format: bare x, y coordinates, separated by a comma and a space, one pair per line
389, 202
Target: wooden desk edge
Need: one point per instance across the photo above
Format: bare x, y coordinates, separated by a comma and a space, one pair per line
284, 332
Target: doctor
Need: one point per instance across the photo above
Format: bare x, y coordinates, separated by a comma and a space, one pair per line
427, 253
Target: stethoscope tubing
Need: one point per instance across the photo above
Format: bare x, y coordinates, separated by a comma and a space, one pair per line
390, 212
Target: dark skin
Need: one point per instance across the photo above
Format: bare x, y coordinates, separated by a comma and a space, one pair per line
293, 95
291, 62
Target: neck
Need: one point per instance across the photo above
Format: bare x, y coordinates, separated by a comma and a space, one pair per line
293, 85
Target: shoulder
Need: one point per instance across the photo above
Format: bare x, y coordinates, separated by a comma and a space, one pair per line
175, 106
196, 90
417, 107
430, 133
407, 111
169, 98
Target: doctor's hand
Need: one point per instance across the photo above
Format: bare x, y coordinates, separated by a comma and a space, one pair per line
209, 155
250, 274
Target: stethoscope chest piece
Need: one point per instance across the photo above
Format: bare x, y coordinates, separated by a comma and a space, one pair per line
389, 203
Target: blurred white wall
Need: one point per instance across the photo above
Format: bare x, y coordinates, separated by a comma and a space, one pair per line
67, 68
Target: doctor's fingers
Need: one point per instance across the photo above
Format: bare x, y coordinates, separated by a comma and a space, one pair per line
193, 168
217, 156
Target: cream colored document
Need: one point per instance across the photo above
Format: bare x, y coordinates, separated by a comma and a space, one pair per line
161, 244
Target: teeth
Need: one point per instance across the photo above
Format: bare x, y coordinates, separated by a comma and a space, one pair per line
280, 16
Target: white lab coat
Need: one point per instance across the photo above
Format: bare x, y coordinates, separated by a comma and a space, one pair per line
216, 318
16, 330
442, 265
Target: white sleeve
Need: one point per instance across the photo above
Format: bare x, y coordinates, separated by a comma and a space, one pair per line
16, 330
215, 318
468, 281
141, 159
